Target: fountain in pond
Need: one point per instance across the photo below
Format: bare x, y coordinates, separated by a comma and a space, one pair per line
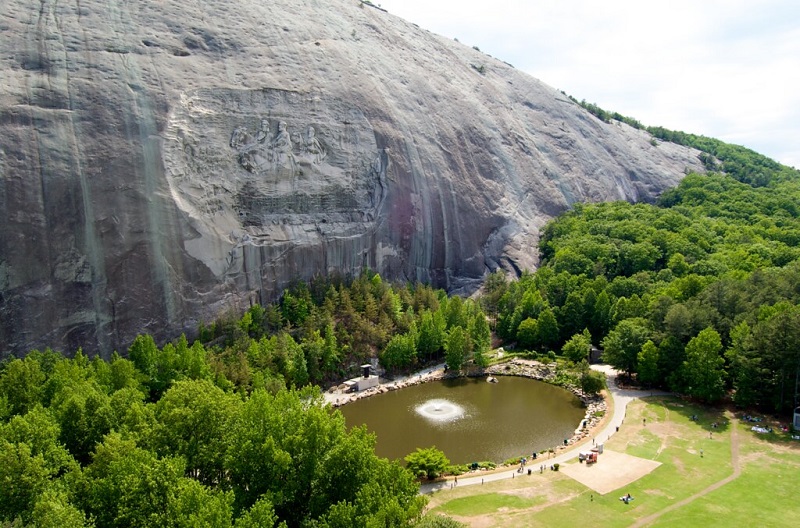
468, 418
440, 411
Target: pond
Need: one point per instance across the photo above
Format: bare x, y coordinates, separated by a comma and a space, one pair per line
469, 419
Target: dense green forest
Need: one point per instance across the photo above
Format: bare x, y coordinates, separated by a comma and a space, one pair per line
85, 444
324, 330
230, 430
740, 163
697, 294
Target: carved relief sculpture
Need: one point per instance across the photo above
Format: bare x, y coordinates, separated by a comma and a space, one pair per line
252, 153
282, 148
260, 154
286, 168
313, 147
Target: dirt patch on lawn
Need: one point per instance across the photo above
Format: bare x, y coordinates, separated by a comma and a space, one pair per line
507, 516
678, 463
481, 521
612, 471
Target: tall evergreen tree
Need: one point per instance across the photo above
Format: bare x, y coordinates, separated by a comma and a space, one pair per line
456, 348
481, 340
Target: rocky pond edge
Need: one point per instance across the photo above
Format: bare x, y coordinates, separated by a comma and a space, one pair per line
596, 406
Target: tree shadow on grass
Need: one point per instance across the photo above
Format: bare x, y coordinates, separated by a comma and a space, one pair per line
706, 416
770, 429
710, 418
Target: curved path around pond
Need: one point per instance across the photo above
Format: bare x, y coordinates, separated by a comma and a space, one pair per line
620, 397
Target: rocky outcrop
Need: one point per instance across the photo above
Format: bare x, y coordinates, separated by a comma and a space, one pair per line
163, 162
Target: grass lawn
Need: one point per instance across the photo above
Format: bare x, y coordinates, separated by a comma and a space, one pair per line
488, 503
764, 494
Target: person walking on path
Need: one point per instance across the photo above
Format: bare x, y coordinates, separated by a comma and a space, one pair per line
620, 399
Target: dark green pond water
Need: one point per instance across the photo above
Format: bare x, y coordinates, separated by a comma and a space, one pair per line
469, 419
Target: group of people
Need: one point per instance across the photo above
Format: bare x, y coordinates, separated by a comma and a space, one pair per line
278, 149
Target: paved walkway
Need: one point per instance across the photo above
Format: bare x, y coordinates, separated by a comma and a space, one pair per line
621, 398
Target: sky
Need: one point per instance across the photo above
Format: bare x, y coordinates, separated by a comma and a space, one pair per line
728, 69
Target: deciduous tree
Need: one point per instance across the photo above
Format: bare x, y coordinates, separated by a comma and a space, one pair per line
400, 352
647, 365
622, 345
192, 419
703, 368
578, 347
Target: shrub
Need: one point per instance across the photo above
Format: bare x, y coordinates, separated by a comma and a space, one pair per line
457, 469
592, 382
429, 462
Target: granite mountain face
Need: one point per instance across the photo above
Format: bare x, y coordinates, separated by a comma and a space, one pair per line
164, 162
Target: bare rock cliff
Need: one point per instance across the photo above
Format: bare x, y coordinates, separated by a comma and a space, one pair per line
161, 162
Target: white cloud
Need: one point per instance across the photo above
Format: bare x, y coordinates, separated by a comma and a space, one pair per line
729, 69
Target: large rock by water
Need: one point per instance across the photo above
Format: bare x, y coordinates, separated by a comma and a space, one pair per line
162, 162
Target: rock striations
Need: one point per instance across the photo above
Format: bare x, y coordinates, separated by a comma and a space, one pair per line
162, 162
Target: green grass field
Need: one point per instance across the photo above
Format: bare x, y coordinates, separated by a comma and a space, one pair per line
765, 493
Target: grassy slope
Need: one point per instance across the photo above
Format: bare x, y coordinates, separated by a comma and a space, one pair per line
761, 496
